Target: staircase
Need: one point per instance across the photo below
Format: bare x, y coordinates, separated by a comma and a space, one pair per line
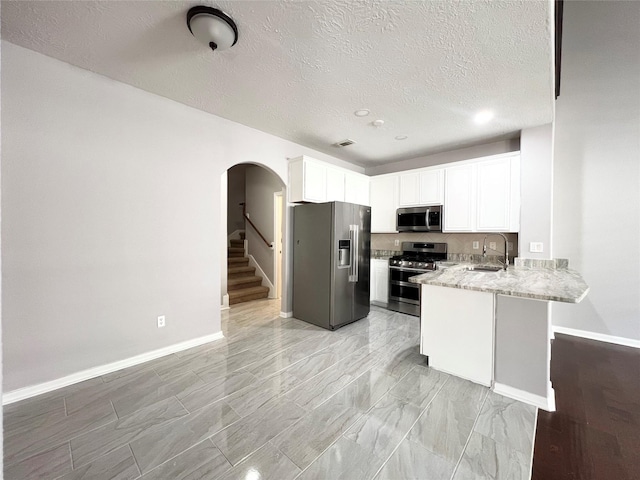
243, 284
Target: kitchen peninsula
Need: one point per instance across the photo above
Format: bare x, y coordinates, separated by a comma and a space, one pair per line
494, 327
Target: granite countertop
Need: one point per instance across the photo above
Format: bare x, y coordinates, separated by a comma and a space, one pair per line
538, 283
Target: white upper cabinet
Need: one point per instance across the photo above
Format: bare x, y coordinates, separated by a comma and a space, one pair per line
483, 196
494, 193
422, 187
314, 181
409, 189
335, 185
459, 199
432, 187
384, 202
356, 188
307, 180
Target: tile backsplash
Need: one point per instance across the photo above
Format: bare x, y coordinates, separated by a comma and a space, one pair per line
457, 243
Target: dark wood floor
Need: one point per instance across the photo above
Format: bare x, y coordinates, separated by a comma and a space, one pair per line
595, 432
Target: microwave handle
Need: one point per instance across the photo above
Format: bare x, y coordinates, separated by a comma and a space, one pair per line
426, 219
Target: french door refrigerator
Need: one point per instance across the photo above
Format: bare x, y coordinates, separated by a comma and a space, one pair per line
331, 250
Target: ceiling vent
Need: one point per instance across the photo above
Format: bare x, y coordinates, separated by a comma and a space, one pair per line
344, 143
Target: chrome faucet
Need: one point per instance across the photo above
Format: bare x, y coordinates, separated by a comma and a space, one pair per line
506, 248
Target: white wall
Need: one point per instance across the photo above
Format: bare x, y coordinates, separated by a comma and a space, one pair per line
476, 151
597, 166
260, 186
536, 190
111, 210
235, 196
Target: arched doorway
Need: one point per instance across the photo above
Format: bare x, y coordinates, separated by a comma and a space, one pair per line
253, 208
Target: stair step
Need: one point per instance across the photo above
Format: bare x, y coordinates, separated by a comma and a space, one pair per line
235, 249
246, 294
243, 282
234, 272
236, 243
235, 254
237, 261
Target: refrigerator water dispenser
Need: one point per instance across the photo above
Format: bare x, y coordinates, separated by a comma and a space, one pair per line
344, 253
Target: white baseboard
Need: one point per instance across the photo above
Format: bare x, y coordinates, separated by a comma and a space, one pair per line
548, 404
225, 302
602, 337
265, 280
286, 314
33, 390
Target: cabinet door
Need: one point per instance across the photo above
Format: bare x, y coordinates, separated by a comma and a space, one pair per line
384, 203
356, 189
431, 186
315, 182
409, 189
494, 195
457, 332
335, 185
380, 281
459, 204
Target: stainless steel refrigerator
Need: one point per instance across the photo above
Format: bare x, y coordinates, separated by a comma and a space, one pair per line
331, 250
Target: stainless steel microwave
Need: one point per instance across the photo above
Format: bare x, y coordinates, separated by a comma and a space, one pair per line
419, 219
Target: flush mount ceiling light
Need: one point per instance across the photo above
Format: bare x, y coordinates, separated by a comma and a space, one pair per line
483, 117
212, 27
377, 123
401, 137
363, 112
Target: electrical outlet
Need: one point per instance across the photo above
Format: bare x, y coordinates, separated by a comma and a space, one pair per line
492, 245
536, 247
396, 243
161, 321
510, 246
476, 245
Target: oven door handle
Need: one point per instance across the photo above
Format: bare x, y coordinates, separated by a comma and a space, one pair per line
405, 269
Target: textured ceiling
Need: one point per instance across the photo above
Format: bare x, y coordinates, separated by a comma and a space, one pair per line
301, 68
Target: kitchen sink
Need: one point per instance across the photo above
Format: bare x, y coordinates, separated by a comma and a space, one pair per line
483, 268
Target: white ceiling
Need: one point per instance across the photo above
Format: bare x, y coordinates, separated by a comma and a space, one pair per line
301, 68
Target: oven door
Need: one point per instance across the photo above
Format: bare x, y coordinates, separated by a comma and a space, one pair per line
400, 289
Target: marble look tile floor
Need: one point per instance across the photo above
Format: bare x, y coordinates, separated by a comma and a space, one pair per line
276, 398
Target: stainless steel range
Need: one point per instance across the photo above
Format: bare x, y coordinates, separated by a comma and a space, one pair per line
416, 258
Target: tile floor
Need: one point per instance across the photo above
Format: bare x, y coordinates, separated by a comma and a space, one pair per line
278, 399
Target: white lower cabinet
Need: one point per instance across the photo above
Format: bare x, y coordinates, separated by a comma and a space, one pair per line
379, 286
457, 332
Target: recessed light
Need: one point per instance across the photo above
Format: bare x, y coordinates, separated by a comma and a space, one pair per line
401, 137
377, 123
363, 112
483, 117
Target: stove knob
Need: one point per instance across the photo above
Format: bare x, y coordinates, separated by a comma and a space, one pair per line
421, 265
410, 264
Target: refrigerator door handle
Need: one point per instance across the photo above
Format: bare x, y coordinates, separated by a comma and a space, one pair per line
353, 271
356, 253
